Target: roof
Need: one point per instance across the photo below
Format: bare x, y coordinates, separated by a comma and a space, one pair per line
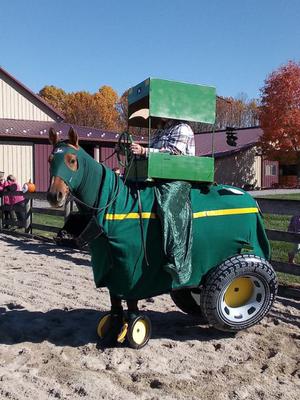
23, 129
247, 137
59, 115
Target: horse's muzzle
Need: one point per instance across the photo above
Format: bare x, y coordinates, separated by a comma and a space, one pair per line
56, 199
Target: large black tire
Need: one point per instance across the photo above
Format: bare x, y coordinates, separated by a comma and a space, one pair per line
188, 301
238, 293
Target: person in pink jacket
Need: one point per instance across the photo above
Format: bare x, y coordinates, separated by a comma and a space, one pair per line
13, 186
6, 200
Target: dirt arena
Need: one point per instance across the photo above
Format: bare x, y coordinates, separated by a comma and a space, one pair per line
49, 310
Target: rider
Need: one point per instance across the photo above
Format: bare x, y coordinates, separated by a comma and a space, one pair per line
175, 137
174, 206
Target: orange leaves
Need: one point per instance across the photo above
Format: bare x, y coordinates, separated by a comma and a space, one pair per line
98, 110
280, 112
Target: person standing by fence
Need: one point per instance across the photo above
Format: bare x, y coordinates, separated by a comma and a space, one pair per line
294, 226
19, 200
5, 199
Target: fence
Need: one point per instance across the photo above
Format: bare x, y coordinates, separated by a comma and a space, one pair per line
10, 213
267, 206
290, 208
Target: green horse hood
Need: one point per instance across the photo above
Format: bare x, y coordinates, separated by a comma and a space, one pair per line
85, 179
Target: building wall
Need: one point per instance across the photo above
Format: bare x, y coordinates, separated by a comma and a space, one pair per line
15, 104
106, 156
270, 173
41, 166
239, 169
17, 159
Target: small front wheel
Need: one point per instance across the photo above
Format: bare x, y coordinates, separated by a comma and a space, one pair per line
139, 332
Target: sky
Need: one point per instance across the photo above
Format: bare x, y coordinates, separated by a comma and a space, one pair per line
85, 44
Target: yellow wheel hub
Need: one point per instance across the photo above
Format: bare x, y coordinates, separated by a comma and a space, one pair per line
239, 292
139, 331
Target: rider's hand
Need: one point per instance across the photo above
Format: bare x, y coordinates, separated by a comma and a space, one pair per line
137, 149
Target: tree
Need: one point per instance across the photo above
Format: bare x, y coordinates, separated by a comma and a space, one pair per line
81, 109
56, 97
98, 110
280, 114
106, 100
235, 112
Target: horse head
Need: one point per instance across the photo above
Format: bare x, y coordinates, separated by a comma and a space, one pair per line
65, 171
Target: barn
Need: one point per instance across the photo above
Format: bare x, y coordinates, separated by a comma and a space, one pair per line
25, 119
241, 165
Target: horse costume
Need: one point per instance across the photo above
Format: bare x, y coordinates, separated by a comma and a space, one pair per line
127, 254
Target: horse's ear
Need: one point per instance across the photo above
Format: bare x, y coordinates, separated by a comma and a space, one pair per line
53, 136
73, 137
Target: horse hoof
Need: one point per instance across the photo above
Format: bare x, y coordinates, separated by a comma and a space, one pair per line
139, 332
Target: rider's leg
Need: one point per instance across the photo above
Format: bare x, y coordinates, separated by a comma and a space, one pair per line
175, 213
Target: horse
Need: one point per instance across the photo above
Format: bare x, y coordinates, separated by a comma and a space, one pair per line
128, 258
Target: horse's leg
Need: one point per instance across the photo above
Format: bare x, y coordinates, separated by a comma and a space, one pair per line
133, 310
116, 320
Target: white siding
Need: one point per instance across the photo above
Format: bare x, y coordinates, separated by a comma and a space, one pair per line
17, 159
257, 168
14, 105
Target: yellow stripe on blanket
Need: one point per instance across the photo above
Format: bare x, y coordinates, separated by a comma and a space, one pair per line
200, 214
229, 211
114, 217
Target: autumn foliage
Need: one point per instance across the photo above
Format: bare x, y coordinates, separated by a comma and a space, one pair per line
98, 110
280, 114
105, 110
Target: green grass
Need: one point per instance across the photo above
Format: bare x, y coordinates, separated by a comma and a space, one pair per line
50, 220
292, 196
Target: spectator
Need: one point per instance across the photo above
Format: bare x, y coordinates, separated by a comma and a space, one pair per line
294, 226
5, 201
13, 186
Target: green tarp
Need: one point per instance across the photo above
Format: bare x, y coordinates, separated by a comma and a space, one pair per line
225, 222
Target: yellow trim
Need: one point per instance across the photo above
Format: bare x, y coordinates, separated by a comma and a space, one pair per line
230, 211
200, 214
145, 215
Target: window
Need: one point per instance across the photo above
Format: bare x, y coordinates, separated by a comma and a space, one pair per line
271, 170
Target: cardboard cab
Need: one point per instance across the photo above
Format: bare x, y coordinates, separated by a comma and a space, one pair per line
154, 99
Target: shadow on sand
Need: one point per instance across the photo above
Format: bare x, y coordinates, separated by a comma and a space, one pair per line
28, 246
78, 327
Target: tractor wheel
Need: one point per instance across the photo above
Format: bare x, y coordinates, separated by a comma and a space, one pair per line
139, 332
238, 293
188, 301
103, 325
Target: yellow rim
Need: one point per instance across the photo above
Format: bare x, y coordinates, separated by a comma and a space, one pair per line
103, 325
139, 331
123, 333
239, 292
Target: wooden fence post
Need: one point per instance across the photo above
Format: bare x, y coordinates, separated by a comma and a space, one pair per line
28, 216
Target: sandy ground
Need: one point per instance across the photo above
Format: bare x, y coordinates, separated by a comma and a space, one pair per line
49, 309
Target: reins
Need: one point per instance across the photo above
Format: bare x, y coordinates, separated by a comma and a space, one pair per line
100, 209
